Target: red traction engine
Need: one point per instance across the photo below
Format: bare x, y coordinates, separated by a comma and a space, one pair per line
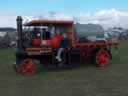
35, 51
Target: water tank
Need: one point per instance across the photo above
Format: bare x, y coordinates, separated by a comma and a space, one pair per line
89, 32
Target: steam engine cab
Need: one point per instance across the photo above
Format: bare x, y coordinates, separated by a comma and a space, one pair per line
41, 38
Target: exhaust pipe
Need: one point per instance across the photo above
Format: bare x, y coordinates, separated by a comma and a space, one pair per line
19, 30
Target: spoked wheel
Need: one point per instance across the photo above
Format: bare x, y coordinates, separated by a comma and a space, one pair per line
29, 67
102, 58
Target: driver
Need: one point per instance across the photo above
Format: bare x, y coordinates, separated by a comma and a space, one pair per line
46, 34
36, 33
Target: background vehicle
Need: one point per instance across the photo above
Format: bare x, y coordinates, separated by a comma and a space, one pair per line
33, 50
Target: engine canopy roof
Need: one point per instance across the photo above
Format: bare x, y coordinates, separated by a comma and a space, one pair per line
48, 22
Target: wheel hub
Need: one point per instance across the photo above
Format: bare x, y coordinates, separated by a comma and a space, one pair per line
103, 58
29, 68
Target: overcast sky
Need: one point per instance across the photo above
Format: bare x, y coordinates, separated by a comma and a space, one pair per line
108, 13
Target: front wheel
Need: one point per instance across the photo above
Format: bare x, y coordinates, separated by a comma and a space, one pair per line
29, 67
102, 58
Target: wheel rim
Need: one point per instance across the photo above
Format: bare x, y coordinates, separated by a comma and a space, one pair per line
29, 68
103, 58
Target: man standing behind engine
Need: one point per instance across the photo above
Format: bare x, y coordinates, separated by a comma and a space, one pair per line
65, 43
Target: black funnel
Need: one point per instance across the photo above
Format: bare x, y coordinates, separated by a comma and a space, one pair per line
19, 30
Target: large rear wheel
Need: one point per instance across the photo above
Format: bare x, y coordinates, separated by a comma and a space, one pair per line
102, 58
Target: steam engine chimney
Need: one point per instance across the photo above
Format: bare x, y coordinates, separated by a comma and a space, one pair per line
19, 30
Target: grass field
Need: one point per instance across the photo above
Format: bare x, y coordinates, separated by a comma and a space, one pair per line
85, 80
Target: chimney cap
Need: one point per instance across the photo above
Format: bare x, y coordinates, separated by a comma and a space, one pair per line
19, 18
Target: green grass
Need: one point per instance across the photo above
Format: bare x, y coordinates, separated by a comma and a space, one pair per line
120, 56
7, 55
82, 81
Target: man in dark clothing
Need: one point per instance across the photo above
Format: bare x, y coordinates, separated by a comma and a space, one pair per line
46, 34
36, 33
65, 43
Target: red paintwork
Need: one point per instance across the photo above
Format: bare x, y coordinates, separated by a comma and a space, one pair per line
94, 44
103, 58
57, 41
39, 22
29, 69
49, 42
36, 42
